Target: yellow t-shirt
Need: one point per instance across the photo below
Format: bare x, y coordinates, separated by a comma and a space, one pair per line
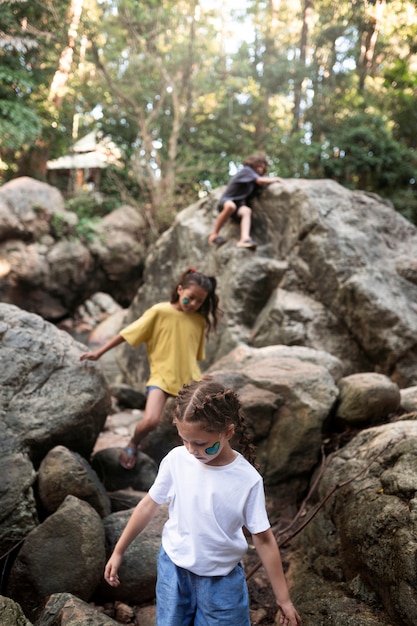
174, 343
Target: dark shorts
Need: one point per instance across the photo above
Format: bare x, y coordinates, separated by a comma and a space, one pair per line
235, 217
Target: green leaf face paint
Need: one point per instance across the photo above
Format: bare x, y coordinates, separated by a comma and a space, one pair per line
214, 448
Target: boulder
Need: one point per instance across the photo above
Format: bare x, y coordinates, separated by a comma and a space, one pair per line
18, 510
11, 613
127, 396
48, 395
330, 273
297, 319
119, 243
409, 399
50, 263
65, 553
124, 499
367, 398
65, 609
27, 207
366, 530
64, 473
138, 570
287, 395
47, 398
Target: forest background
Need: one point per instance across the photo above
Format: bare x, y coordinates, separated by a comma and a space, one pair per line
188, 88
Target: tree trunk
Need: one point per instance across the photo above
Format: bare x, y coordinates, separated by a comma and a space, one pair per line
60, 80
299, 81
368, 43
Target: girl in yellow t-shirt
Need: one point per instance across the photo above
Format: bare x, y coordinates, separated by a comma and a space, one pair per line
174, 333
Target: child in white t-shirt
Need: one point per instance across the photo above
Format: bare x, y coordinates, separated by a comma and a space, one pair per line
213, 492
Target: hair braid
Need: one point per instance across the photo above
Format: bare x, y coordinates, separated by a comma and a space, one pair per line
215, 407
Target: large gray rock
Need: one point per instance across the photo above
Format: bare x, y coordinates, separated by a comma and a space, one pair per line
64, 473
367, 398
65, 609
365, 535
47, 398
138, 570
47, 395
26, 208
50, 262
409, 399
297, 319
65, 553
333, 271
18, 510
287, 394
119, 243
11, 613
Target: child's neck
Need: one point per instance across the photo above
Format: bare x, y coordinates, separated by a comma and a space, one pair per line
226, 457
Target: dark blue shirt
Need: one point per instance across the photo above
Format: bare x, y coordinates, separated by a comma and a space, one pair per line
241, 186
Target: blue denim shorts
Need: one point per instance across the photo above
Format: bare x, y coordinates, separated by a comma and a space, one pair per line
185, 599
150, 387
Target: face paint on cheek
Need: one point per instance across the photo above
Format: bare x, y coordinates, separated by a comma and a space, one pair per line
185, 301
214, 448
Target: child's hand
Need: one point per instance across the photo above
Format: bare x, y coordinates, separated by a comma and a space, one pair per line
89, 356
288, 616
111, 569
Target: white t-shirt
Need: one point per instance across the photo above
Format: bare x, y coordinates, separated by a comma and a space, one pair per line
208, 506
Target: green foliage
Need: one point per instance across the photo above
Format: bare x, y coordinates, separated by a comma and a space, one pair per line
326, 92
405, 201
29, 34
18, 124
59, 226
85, 206
361, 150
85, 228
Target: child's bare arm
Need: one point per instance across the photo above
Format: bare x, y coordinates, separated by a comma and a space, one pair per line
94, 356
267, 548
138, 521
267, 180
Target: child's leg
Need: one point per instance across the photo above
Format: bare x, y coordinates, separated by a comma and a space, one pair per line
229, 208
155, 403
175, 597
245, 214
222, 600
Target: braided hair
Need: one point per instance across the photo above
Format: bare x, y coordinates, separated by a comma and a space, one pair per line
214, 407
210, 307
